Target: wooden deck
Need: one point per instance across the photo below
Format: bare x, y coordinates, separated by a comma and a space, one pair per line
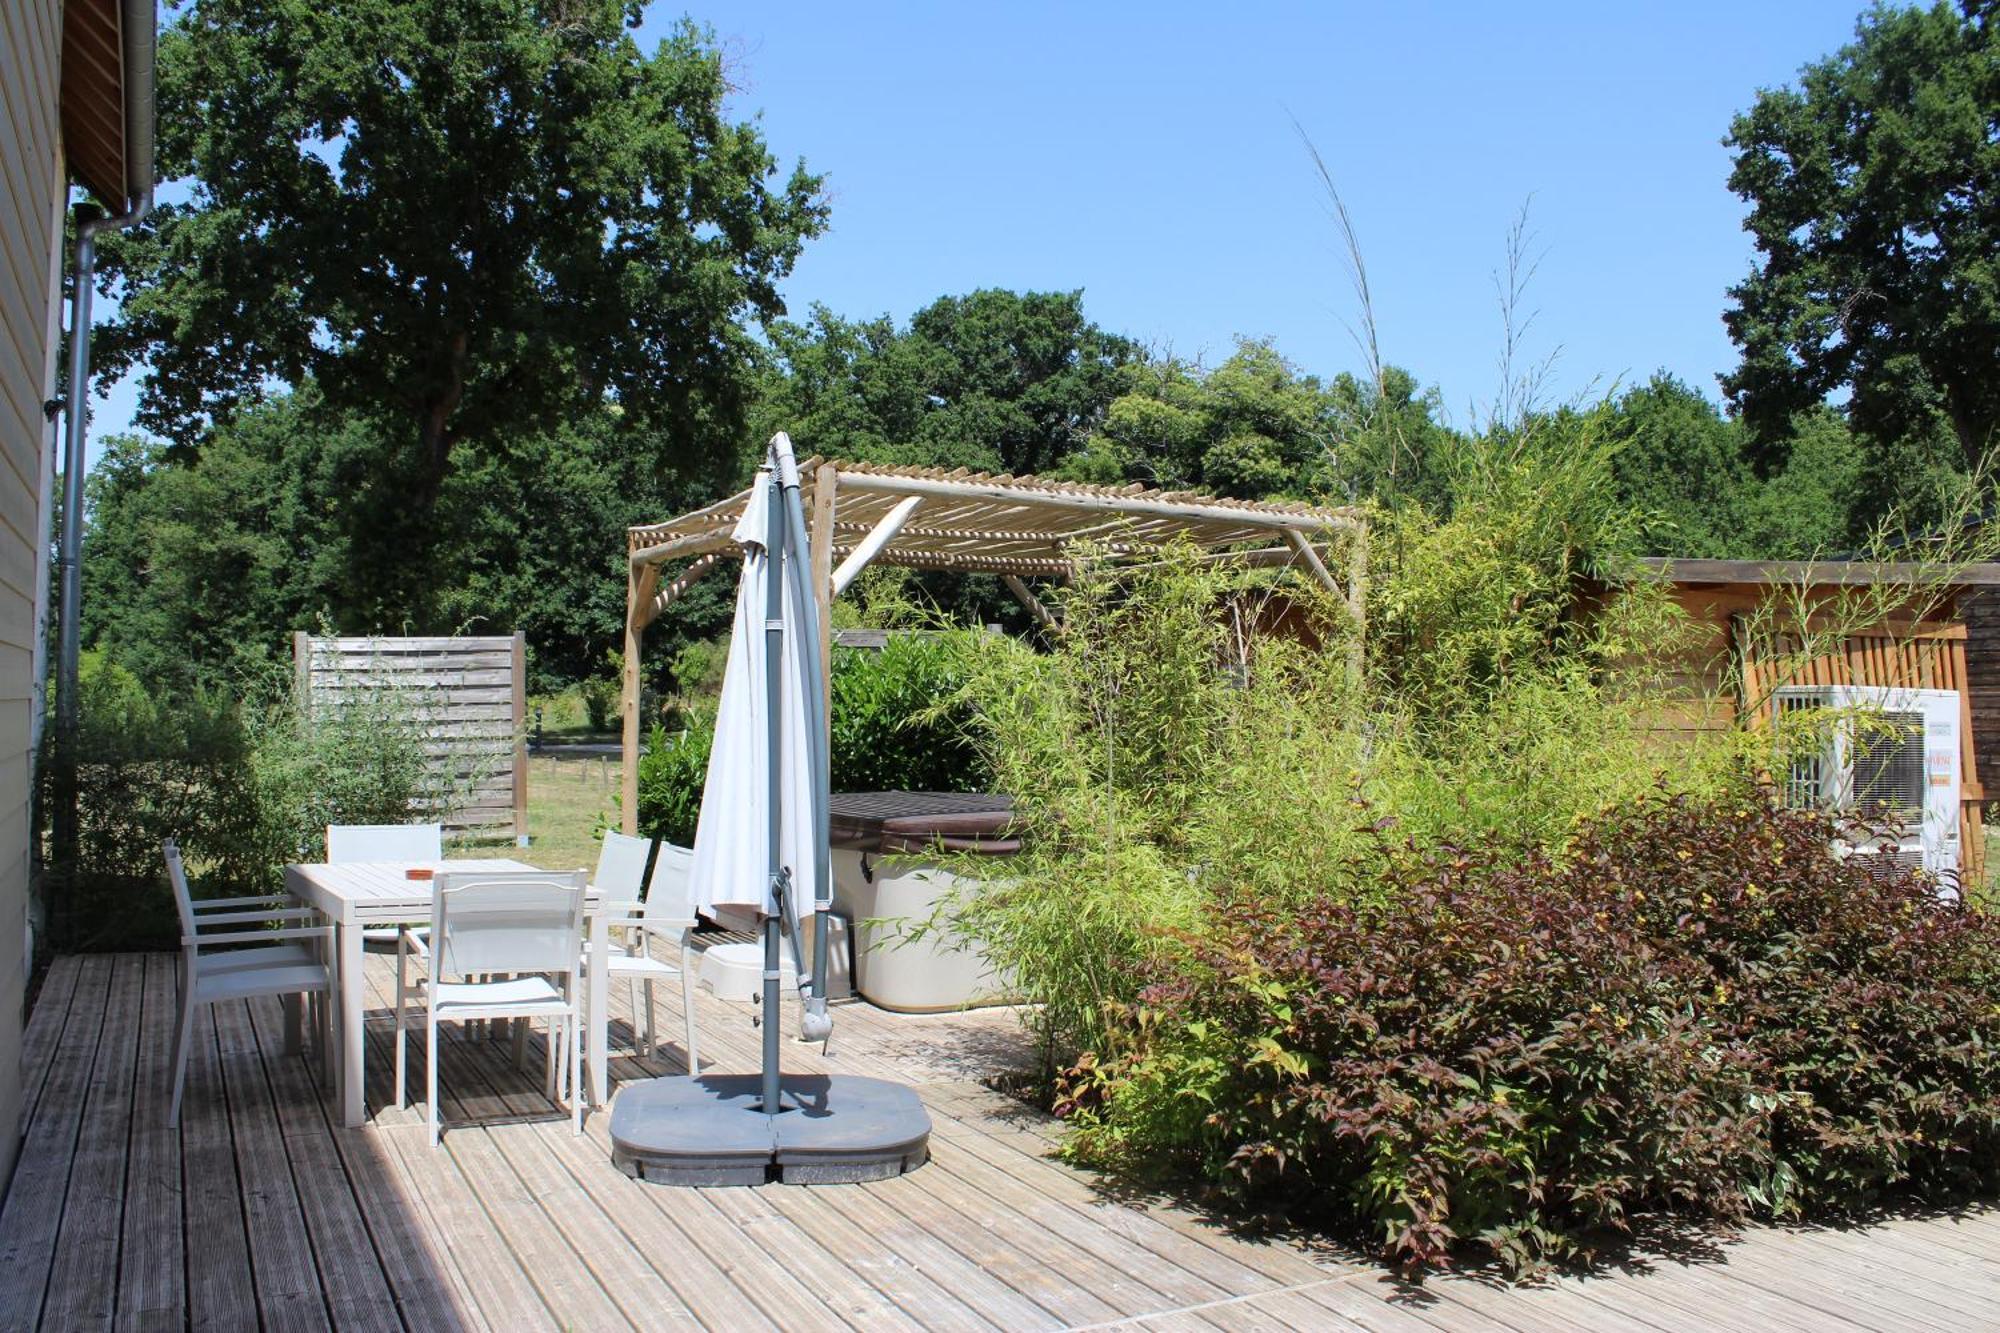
258, 1211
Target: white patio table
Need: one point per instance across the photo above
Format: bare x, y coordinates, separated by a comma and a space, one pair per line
354, 895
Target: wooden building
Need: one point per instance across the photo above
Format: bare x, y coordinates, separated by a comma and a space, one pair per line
75, 105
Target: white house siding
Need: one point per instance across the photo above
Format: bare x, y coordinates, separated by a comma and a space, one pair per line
31, 203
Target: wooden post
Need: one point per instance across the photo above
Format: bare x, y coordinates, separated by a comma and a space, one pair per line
639, 584
871, 546
825, 481
1026, 597
1357, 601
520, 738
302, 667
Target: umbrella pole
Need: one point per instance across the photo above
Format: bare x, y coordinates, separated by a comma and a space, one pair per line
806, 638
774, 665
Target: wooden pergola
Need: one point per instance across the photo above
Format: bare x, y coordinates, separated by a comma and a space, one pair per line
974, 522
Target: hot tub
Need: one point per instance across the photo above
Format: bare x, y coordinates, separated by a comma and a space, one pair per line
889, 850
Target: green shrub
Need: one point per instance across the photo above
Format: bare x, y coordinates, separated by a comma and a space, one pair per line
147, 770
357, 761
245, 782
601, 696
1165, 766
897, 726
671, 773
1696, 1007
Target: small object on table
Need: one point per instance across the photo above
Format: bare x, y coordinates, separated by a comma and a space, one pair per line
419, 872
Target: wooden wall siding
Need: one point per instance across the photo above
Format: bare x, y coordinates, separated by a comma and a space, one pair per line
31, 202
1980, 613
472, 694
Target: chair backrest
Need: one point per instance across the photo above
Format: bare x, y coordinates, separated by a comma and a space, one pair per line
183, 900
384, 842
507, 921
621, 866
670, 892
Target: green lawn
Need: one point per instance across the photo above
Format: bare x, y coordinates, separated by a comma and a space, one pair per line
569, 801
564, 718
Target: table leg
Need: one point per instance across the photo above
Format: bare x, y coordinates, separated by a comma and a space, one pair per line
352, 984
598, 997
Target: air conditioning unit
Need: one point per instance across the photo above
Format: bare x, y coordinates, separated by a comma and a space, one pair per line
1888, 769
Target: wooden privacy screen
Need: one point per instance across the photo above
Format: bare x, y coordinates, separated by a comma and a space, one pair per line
471, 694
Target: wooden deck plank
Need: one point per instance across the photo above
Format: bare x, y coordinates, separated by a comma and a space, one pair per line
426, 1287
221, 1293
152, 1283
477, 1070
1382, 1306
1232, 1263
1713, 1299
474, 1251
1850, 1287
845, 1292
44, 1030
514, 1223
1955, 1278
1127, 1276
83, 1279
993, 1299
1070, 1293
351, 1272
913, 1291
1541, 1308
635, 1206
473, 1173
32, 1216
288, 1290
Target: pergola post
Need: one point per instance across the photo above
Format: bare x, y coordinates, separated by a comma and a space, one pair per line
1026, 597
1357, 600
639, 584
871, 546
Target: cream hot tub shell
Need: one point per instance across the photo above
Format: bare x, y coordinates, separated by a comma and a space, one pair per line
892, 853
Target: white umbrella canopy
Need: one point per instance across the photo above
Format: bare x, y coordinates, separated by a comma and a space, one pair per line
731, 850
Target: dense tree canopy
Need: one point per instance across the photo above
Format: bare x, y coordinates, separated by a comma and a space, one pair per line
464, 219
1874, 193
458, 289
197, 569
999, 381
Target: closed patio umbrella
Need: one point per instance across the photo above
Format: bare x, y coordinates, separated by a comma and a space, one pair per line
763, 830
763, 810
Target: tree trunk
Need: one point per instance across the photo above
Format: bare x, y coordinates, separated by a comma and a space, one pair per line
435, 433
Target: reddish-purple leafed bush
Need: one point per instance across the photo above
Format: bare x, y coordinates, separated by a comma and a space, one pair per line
1698, 1008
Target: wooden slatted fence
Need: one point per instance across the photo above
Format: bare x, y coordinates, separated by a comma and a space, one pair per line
471, 694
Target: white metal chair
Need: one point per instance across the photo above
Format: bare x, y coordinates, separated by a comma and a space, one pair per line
383, 842
666, 908
524, 925
238, 949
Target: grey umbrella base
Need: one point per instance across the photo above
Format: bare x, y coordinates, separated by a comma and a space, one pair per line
835, 1130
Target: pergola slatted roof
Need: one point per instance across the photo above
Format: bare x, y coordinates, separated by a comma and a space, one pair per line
1003, 523
977, 522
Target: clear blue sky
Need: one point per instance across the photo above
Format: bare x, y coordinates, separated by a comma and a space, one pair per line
1145, 153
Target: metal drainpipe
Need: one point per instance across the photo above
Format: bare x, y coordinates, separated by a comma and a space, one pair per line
139, 28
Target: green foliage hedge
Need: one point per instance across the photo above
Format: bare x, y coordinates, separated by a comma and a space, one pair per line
245, 781
1696, 1007
898, 725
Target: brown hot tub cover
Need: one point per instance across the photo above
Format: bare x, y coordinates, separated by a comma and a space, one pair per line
923, 821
